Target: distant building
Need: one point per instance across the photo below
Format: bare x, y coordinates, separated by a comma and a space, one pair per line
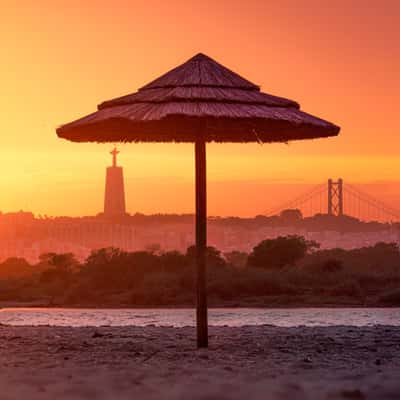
114, 199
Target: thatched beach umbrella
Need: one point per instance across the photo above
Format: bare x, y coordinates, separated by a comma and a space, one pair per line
200, 101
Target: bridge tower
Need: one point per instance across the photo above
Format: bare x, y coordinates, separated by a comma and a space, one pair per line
335, 197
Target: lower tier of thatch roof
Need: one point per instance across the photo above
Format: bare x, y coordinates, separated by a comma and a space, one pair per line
188, 121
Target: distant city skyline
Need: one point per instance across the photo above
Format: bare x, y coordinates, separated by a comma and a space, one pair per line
261, 197
23, 235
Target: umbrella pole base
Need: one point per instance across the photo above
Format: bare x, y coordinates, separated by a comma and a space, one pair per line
201, 243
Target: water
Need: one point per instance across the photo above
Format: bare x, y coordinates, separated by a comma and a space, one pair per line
186, 317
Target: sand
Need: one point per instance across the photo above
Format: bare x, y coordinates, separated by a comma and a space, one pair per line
262, 362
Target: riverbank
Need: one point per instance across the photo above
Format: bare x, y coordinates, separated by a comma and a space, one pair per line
112, 278
263, 362
282, 301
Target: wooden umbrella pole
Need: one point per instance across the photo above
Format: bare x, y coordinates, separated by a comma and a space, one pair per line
201, 243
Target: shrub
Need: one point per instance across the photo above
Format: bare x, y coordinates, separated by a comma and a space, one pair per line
391, 298
348, 289
332, 265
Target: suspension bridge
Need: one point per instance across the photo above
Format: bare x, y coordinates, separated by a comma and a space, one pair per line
337, 198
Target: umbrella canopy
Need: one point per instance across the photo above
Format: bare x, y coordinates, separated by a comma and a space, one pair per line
200, 101
200, 98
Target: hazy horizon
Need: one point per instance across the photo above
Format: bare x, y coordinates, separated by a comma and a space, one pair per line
156, 196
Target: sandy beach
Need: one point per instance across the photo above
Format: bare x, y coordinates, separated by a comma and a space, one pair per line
255, 362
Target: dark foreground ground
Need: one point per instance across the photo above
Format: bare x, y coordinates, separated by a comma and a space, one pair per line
162, 363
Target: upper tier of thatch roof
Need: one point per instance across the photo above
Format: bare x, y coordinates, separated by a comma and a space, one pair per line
200, 79
203, 94
201, 70
199, 99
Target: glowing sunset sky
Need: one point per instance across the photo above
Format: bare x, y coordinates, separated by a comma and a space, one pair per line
62, 58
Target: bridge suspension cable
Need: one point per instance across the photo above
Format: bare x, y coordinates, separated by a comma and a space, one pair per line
370, 207
353, 202
300, 201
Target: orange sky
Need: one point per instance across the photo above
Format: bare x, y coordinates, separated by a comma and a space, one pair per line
61, 58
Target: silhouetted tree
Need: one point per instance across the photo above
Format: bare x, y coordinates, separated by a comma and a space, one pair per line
236, 258
57, 272
63, 261
173, 260
280, 252
15, 267
214, 257
379, 258
332, 265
